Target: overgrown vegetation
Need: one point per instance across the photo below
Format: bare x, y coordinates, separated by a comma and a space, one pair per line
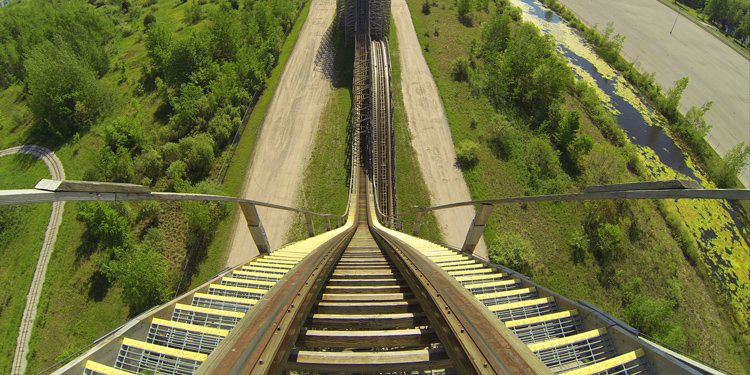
540, 131
152, 93
608, 46
732, 17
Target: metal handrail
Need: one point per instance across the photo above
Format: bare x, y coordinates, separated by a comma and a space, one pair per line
669, 189
55, 190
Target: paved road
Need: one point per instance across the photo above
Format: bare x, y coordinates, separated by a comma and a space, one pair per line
716, 72
431, 135
283, 149
55, 168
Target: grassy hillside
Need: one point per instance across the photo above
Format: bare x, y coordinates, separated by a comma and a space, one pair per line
618, 255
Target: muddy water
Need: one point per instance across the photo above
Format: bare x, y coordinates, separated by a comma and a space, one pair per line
713, 224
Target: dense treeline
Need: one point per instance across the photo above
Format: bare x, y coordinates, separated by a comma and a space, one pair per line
732, 16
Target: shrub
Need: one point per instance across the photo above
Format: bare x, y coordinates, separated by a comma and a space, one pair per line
426, 7
467, 154
513, 251
460, 70
732, 164
503, 137
124, 132
148, 20
198, 154
148, 212
464, 8
609, 242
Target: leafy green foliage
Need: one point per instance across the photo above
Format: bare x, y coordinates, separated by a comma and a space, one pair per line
467, 154
464, 9
460, 69
27, 24
105, 225
695, 116
64, 94
732, 164
141, 271
513, 251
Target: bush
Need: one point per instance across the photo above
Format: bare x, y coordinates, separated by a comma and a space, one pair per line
105, 226
460, 70
124, 132
731, 165
148, 20
426, 7
609, 242
513, 251
467, 154
198, 154
464, 8
503, 137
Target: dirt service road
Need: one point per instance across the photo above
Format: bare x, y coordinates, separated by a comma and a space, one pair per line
283, 148
716, 72
431, 135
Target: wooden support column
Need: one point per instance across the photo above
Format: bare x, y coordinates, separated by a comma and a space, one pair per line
256, 227
328, 223
310, 226
417, 223
477, 228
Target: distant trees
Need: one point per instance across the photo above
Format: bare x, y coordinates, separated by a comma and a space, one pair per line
732, 16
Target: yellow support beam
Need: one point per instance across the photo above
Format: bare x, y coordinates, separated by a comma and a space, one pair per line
541, 319
515, 305
505, 293
198, 357
191, 327
209, 311
608, 364
104, 369
535, 347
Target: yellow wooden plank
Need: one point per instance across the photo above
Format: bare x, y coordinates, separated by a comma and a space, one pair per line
535, 347
505, 293
256, 268
250, 301
276, 276
247, 282
477, 277
206, 310
608, 364
450, 263
104, 369
470, 272
238, 289
515, 305
540, 319
164, 350
491, 284
190, 327
463, 267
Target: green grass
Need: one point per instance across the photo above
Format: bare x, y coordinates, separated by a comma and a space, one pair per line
652, 255
411, 189
22, 231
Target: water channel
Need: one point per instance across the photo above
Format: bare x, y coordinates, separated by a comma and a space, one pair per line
714, 224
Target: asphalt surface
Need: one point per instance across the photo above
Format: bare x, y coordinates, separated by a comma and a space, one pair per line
715, 71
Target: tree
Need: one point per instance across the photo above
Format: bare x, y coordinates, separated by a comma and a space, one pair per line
158, 47
193, 13
695, 116
105, 225
64, 94
226, 36
495, 33
198, 153
732, 164
142, 272
675, 94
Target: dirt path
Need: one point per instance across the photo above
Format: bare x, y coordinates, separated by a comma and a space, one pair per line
716, 72
57, 172
431, 136
283, 148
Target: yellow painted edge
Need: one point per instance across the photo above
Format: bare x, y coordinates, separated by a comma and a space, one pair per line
227, 298
470, 272
164, 350
479, 276
206, 310
190, 327
238, 289
104, 369
505, 293
608, 364
463, 267
540, 319
567, 340
513, 305
256, 268
258, 274
450, 263
492, 283
248, 282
